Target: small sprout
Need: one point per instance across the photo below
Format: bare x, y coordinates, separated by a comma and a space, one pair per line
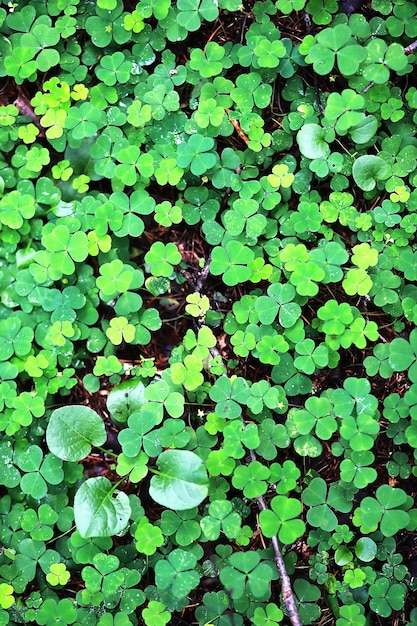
6, 596
148, 537
120, 330
79, 92
280, 177
155, 614
161, 258
58, 574
197, 305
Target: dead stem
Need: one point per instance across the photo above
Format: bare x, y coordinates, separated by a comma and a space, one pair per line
286, 589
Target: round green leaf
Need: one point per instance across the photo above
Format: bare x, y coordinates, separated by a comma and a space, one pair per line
124, 399
311, 139
73, 430
365, 130
96, 512
366, 549
181, 482
368, 169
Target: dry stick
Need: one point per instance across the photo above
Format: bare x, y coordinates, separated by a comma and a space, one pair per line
203, 275
368, 87
286, 589
350, 6
409, 49
237, 128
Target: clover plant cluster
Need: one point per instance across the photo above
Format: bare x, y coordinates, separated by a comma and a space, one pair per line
208, 300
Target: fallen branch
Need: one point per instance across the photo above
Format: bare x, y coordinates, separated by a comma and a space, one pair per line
286, 589
202, 276
409, 49
237, 128
350, 6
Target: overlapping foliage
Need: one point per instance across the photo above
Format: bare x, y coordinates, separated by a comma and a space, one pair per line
208, 268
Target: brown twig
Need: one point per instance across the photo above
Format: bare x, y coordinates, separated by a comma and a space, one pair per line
238, 129
202, 276
286, 589
350, 6
409, 49
213, 34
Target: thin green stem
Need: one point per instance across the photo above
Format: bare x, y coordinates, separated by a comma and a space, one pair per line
109, 452
61, 535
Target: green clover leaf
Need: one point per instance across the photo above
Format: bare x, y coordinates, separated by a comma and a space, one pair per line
231, 261
148, 537
196, 154
120, 330
6, 596
177, 573
281, 520
155, 614
58, 574
162, 258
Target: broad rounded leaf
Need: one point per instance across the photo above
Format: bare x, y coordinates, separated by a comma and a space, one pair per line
365, 130
97, 513
311, 139
367, 169
73, 430
366, 549
181, 482
124, 399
